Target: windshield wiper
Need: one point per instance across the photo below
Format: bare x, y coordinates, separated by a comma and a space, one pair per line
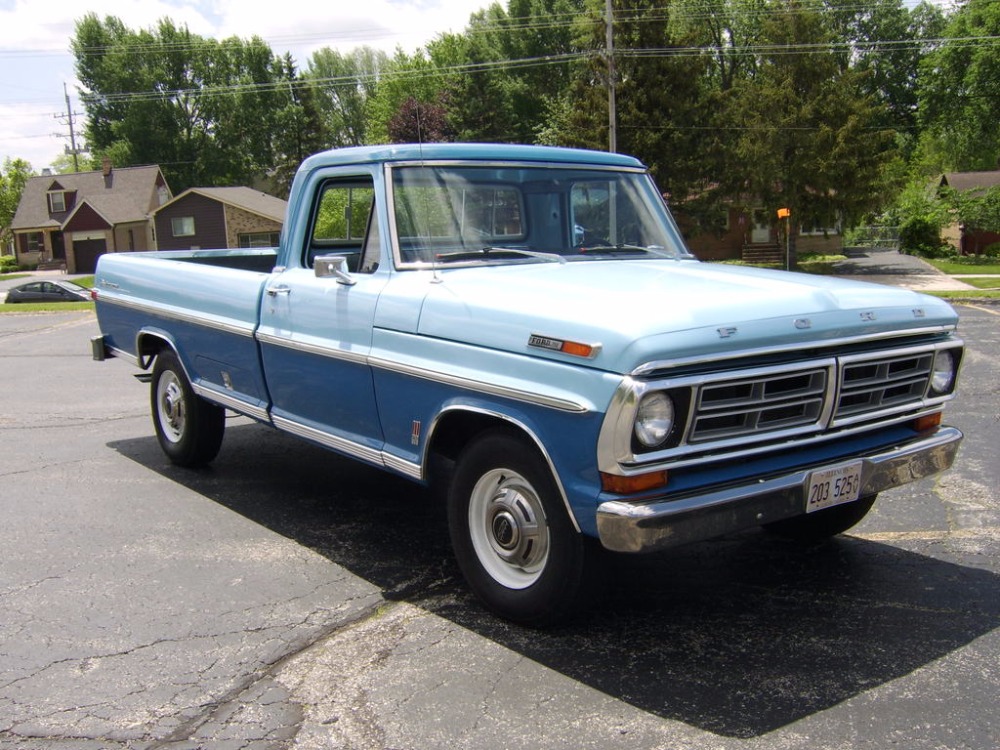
625, 249
497, 253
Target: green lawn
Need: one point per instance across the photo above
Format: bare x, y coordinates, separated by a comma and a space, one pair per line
984, 282
31, 307
953, 267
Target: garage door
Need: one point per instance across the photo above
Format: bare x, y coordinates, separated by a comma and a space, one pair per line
86, 252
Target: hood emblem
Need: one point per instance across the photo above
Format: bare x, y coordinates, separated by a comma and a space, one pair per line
727, 332
803, 324
574, 348
868, 316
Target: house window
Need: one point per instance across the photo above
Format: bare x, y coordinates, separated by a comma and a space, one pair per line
57, 201
182, 226
259, 239
34, 242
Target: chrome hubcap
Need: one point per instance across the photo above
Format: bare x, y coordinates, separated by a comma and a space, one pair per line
509, 529
170, 398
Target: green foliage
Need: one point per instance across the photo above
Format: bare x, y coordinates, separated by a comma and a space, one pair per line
13, 176
203, 109
959, 92
8, 263
921, 235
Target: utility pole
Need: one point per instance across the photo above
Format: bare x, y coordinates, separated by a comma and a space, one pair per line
71, 149
612, 104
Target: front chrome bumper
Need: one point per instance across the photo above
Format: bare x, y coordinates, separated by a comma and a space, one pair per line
648, 525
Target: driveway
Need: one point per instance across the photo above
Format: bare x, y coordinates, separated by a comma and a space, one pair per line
896, 269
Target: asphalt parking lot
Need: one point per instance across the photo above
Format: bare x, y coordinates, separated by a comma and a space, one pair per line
286, 598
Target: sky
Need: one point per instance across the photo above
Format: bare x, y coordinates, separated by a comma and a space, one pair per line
35, 61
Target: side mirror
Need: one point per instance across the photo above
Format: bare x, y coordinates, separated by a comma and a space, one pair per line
326, 266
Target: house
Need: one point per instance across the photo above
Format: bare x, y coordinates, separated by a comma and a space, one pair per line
68, 220
968, 240
219, 217
755, 235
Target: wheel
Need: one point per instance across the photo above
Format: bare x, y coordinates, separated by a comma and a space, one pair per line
188, 428
814, 527
512, 535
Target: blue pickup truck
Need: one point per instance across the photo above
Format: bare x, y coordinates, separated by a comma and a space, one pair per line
525, 326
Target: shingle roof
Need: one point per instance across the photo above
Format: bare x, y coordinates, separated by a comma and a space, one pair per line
245, 198
128, 194
963, 181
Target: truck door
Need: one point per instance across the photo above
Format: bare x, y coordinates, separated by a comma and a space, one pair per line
316, 330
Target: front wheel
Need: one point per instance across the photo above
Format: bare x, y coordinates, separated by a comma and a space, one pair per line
512, 534
815, 527
188, 428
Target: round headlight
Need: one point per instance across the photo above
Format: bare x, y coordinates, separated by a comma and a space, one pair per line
654, 419
943, 376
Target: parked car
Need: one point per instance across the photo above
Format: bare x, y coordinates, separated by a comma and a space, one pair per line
48, 291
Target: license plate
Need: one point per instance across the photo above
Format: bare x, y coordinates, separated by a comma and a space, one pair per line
828, 487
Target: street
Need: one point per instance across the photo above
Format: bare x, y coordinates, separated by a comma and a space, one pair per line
286, 597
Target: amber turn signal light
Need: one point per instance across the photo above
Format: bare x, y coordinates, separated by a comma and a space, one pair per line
927, 422
637, 483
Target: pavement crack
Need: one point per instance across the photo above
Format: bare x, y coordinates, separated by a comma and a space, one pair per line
229, 710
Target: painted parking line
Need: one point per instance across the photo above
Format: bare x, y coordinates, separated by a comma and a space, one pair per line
980, 308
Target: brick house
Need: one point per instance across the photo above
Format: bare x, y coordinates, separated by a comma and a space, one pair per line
219, 217
755, 235
969, 241
68, 220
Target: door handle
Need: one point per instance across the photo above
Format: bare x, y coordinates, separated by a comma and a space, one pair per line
274, 291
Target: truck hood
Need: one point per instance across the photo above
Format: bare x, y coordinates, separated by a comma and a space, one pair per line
640, 311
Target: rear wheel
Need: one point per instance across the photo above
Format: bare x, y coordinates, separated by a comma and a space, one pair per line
814, 527
188, 428
512, 534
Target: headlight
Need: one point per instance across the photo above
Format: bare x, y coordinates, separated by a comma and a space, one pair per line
943, 376
654, 419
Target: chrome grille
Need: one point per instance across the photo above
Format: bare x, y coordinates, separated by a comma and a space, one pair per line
835, 393
773, 401
872, 385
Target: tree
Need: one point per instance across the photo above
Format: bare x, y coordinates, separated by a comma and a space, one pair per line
508, 68
13, 177
811, 139
344, 86
959, 92
405, 77
202, 109
301, 129
416, 122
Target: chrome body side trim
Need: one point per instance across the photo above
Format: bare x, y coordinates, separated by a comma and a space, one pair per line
350, 447
659, 523
231, 402
337, 443
310, 348
478, 386
226, 325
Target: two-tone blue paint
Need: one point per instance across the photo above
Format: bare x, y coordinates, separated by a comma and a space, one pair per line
380, 369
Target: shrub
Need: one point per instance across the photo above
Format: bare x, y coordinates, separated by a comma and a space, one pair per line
992, 251
8, 263
920, 235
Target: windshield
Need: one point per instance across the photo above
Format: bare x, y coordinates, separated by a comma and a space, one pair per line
463, 215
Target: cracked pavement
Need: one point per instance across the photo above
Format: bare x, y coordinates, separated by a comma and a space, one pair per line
287, 598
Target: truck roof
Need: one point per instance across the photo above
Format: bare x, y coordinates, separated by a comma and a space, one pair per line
467, 151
